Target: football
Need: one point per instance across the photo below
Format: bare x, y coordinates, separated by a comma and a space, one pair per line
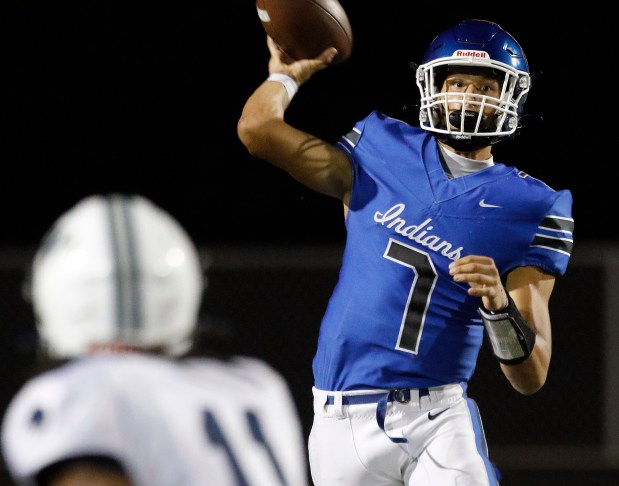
305, 28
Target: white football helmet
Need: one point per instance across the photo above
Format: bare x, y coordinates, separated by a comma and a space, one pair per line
116, 269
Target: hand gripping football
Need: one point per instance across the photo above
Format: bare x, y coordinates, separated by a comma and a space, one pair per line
305, 28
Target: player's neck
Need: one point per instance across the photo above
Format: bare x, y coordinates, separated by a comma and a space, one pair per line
457, 165
481, 154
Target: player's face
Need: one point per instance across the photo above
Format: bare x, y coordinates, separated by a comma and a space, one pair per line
478, 92
474, 89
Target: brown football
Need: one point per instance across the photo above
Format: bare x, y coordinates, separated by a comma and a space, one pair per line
305, 28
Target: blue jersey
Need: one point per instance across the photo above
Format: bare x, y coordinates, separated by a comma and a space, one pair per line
396, 318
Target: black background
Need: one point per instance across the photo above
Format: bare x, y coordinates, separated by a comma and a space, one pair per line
101, 97
105, 97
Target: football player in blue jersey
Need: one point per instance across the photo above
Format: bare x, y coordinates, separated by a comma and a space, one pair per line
443, 244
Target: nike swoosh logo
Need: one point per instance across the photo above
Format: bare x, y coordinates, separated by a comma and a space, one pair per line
432, 417
484, 204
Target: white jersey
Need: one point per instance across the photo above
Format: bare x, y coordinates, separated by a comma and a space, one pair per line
197, 422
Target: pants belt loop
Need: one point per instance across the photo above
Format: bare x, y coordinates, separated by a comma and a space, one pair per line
436, 395
425, 393
338, 405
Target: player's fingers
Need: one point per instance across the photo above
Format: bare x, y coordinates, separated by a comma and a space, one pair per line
484, 266
327, 55
473, 264
477, 279
473, 259
304, 69
273, 47
479, 289
474, 269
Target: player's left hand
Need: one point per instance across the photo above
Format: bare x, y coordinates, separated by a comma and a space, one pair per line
483, 277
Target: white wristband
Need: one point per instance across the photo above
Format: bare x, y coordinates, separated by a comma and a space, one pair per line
290, 84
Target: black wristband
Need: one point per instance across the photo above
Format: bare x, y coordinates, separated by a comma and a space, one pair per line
511, 338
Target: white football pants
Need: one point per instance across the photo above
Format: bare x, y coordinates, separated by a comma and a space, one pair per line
442, 438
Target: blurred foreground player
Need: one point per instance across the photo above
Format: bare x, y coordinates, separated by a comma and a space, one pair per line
442, 242
116, 289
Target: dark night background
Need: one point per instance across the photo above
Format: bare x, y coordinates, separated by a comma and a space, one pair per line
104, 97
120, 97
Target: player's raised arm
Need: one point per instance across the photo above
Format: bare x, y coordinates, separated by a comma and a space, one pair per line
262, 129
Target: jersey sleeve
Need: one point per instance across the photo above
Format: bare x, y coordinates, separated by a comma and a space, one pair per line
349, 140
551, 247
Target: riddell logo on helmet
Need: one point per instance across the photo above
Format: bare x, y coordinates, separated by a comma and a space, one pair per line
477, 54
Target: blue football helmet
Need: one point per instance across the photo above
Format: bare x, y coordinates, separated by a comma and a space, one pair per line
473, 46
